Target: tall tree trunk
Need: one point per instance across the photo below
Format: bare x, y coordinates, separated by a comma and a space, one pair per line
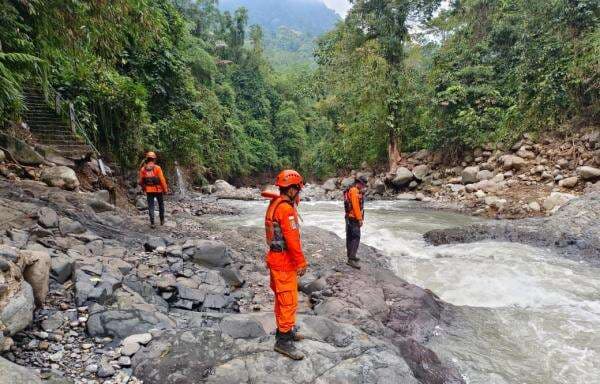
393, 152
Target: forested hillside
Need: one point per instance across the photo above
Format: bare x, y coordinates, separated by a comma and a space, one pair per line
173, 76
487, 71
192, 82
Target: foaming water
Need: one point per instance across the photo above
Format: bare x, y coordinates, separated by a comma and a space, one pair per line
527, 316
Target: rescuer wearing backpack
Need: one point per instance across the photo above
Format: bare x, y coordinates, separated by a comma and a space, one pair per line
153, 182
285, 259
354, 206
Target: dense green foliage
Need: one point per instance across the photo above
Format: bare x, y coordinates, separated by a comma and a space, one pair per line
493, 70
194, 83
174, 76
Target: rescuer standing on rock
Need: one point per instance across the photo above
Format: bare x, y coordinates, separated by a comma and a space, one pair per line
354, 206
285, 259
153, 182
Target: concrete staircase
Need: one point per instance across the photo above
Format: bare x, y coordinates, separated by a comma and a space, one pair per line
51, 129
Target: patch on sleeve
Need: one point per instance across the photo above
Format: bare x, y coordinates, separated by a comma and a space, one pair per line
293, 222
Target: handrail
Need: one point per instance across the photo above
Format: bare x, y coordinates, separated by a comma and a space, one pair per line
59, 106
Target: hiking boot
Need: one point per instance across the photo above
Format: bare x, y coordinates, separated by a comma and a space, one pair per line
353, 263
297, 336
284, 344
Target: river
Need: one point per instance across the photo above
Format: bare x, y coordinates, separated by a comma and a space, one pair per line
526, 315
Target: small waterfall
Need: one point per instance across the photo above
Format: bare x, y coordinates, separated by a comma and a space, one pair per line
183, 191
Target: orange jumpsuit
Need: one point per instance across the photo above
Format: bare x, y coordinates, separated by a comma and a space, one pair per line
284, 264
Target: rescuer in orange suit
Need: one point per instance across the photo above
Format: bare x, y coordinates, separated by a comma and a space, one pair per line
285, 259
153, 182
354, 205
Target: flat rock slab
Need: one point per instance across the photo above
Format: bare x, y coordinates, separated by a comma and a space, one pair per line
123, 323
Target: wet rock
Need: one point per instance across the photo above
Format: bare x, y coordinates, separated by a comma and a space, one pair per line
242, 327
211, 253
403, 177
60, 176
589, 173
469, 175
18, 312
47, 218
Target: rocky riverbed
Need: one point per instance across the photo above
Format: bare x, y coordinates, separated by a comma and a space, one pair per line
91, 295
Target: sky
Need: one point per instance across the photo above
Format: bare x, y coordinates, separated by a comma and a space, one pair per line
340, 6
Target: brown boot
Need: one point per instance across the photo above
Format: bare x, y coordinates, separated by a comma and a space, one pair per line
284, 344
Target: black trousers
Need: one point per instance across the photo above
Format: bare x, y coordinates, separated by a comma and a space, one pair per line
161, 206
352, 237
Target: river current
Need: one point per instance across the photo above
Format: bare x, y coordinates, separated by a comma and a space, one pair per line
526, 314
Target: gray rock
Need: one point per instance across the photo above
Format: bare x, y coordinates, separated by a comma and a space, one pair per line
102, 195
347, 182
420, 171
2, 156
11, 373
94, 248
18, 312
469, 175
54, 322
140, 338
141, 203
61, 268
330, 185
403, 177
379, 186
242, 327
221, 186
589, 173
47, 218
569, 182
232, 276
512, 162
60, 176
129, 349
101, 206
68, 226
153, 242
211, 253
105, 370
214, 301
123, 323
8, 253
556, 199
191, 294
484, 175
22, 152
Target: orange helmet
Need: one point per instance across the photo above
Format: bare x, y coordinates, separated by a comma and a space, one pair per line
288, 178
151, 155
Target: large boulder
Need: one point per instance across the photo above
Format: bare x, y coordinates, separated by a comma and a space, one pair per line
61, 177
512, 162
420, 171
469, 175
330, 185
588, 173
20, 151
16, 310
403, 177
11, 373
221, 186
211, 253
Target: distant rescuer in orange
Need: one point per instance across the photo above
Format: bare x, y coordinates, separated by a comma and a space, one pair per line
153, 182
285, 259
354, 203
